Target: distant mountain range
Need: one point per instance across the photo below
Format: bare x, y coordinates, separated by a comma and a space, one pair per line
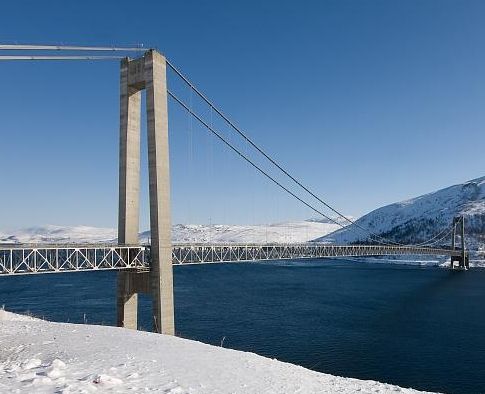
302, 231
410, 221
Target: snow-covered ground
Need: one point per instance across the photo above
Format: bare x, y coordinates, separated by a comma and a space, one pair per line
43, 357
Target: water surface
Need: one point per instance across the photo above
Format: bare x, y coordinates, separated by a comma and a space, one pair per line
412, 326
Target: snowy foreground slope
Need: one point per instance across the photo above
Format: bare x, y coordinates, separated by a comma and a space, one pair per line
420, 218
302, 231
43, 357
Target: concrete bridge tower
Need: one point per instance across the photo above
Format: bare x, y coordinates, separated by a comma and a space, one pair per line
146, 73
462, 258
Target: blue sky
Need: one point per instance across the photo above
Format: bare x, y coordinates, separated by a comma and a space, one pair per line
368, 102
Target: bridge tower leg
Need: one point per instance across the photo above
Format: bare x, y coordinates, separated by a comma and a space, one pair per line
464, 254
129, 186
147, 73
453, 241
159, 188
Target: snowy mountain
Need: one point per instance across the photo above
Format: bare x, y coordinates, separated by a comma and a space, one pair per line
302, 231
421, 218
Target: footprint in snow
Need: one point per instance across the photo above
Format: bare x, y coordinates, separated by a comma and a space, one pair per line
105, 380
31, 364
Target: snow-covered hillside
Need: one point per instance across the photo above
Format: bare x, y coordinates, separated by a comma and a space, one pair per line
43, 357
302, 231
420, 218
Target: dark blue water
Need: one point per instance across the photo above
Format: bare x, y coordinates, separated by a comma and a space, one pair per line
415, 327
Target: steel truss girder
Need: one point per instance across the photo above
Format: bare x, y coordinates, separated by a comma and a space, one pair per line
42, 259
207, 253
35, 259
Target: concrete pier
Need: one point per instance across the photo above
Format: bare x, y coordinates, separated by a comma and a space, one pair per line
147, 73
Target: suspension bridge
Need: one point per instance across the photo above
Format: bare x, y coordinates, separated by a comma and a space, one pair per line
148, 268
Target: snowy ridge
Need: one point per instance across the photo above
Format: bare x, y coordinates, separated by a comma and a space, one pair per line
418, 219
60, 234
287, 232
42, 357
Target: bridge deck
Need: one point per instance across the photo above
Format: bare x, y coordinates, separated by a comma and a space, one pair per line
25, 259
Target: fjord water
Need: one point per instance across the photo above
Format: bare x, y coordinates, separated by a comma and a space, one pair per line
411, 326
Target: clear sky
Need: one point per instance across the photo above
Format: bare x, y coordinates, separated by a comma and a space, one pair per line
368, 102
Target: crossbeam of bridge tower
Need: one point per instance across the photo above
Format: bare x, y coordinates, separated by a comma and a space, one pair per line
146, 73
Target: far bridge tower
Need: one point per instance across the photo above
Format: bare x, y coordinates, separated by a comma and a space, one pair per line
461, 255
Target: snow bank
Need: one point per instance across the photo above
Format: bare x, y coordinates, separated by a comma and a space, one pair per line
9, 316
43, 357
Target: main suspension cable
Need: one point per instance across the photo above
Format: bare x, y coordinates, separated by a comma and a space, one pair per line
271, 160
246, 158
286, 172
